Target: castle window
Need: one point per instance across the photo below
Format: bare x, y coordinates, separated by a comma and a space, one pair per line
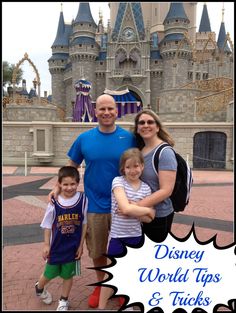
156, 62
90, 25
190, 75
176, 42
80, 45
155, 11
101, 63
176, 21
92, 46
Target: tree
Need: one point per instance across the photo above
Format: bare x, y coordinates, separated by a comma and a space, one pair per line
8, 71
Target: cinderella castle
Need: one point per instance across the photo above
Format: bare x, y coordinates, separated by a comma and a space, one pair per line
150, 55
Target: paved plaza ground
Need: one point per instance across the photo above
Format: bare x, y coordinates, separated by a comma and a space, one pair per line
24, 203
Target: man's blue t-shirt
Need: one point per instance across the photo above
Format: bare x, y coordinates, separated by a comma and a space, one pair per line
101, 152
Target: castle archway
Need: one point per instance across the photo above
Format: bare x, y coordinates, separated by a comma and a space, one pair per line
135, 92
37, 79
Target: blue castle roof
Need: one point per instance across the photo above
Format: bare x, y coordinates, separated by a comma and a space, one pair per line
83, 40
59, 41
24, 92
205, 22
63, 33
59, 56
138, 17
155, 54
84, 14
172, 37
102, 56
221, 38
32, 93
176, 11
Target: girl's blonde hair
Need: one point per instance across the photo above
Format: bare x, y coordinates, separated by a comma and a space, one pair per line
133, 153
162, 133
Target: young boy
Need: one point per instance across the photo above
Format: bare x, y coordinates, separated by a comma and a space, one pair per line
64, 224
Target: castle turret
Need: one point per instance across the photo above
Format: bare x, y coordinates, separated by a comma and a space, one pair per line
83, 47
175, 48
128, 58
222, 36
205, 38
58, 62
24, 91
205, 25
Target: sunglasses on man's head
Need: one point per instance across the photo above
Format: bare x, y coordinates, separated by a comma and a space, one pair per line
149, 122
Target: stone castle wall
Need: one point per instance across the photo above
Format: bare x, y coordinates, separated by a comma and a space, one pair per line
57, 137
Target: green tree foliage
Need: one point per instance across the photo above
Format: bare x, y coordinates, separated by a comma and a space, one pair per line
8, 69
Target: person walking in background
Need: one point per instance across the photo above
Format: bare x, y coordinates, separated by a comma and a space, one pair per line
65, 225
126, 216
101, 149
150, 133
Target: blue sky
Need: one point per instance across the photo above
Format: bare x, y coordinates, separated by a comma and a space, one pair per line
31, 27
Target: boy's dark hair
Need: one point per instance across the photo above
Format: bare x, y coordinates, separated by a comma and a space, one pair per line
68, 171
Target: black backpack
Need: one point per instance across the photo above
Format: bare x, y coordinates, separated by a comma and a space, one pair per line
184, 179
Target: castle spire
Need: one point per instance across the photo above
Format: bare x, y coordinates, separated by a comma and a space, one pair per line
136, 9
59, 41
176, 11
221, 38
223, 12
84, 14
205, 25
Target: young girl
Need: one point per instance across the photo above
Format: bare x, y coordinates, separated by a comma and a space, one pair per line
126, 216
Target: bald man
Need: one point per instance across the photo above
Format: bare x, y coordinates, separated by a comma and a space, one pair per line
100, 148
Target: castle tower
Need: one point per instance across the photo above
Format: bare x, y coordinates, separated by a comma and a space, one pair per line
224, 51
205, 38
83, 47
222, 36
128, 55
175, 50
58, 62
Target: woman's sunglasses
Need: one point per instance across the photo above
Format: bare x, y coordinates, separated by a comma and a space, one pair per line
149, 122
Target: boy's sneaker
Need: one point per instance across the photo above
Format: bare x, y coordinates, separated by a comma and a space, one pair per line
45, 296
63, 305
93, 300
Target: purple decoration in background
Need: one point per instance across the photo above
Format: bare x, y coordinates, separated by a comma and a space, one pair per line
83, 109
126, 102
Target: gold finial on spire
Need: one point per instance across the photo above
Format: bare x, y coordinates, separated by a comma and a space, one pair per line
223, 12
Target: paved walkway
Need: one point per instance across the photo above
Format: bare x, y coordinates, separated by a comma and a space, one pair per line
24, 202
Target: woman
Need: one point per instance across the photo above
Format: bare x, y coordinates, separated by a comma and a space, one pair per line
150, 133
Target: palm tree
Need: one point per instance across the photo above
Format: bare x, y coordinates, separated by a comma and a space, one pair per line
7, 70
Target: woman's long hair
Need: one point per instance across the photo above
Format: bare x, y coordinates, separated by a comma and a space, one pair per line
162, 134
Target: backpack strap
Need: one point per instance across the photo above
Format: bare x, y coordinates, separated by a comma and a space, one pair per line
156, 156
